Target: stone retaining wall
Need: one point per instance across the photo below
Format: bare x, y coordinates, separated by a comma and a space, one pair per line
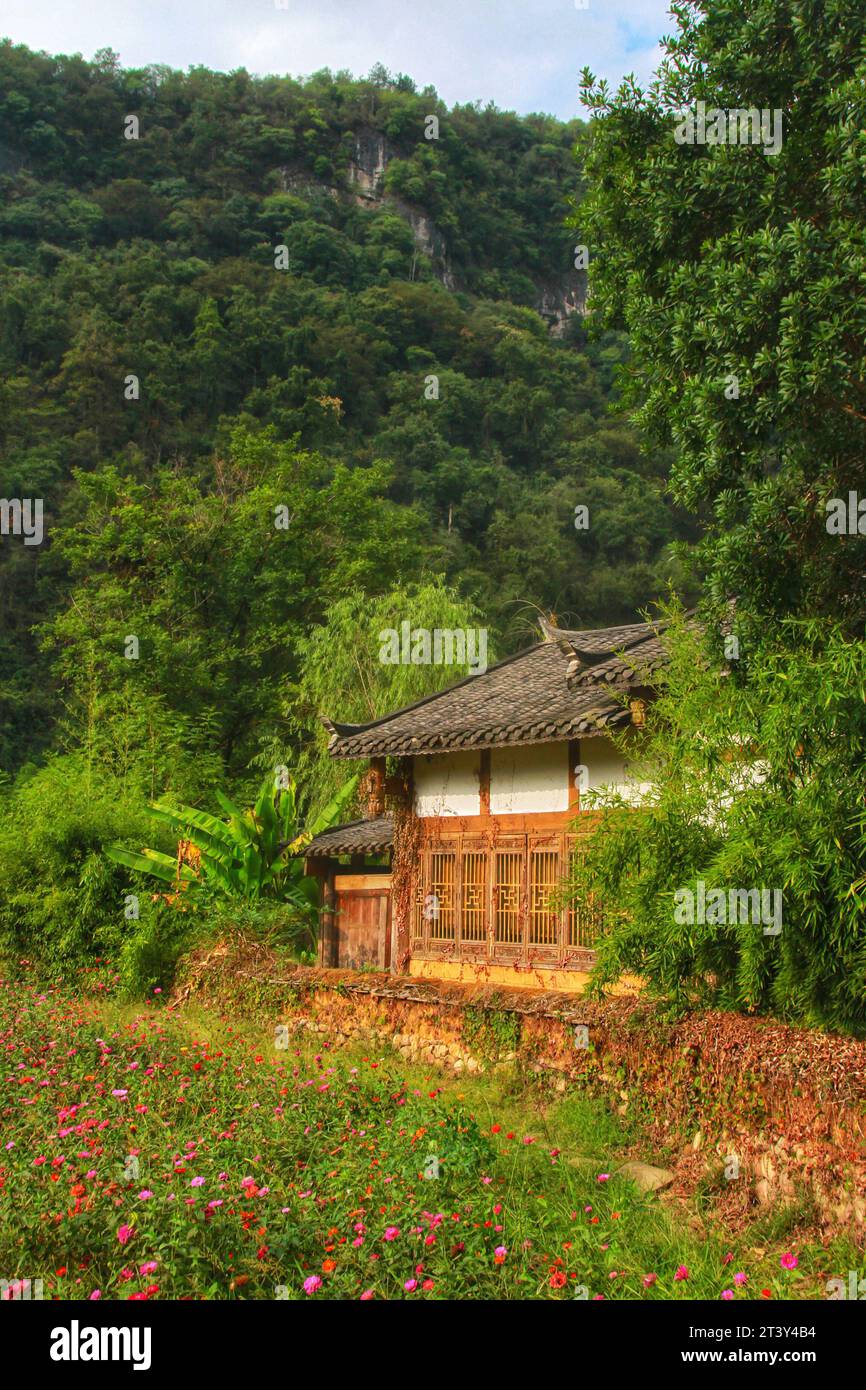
787, 1105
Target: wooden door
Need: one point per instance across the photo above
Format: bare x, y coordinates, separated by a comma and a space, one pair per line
363, 921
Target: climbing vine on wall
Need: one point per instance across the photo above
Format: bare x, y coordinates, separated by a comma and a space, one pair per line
405, 857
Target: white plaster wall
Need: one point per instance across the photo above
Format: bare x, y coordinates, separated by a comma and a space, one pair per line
606, 768
447, 784
524, 781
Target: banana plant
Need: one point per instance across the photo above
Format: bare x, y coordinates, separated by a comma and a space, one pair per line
251, 854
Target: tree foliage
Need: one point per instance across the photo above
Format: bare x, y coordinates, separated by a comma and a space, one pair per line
736, 270
756, 785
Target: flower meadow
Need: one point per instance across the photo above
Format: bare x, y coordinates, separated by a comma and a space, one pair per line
148, 1155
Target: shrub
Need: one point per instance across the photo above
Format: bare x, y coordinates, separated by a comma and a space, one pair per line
60, 898
759, 781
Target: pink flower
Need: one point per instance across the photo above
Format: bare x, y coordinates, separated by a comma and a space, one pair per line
682, 1273
149, 1267
196, 1182
789, 1261
410, 1285
603, 1177
727, 1294
145, 1194
740, 1277
649, 1280
391, 1233
500, 1253
312, 1284
123, 1234
97, 1293
367, 1295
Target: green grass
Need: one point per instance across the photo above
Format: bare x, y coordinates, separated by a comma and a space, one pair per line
268, 1169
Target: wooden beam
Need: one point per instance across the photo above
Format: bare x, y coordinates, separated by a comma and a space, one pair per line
484, 781
573, 764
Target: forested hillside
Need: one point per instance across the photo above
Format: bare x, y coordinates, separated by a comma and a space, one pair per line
244, 307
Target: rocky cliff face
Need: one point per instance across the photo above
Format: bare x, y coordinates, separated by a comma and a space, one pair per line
559, 299
367, 166
556, 299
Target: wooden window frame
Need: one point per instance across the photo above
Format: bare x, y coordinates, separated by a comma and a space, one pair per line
567, 950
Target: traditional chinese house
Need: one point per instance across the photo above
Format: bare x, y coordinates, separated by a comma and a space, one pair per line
477, 803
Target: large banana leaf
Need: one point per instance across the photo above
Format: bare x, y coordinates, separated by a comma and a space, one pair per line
326, 817
251, 854
151, 861
208, 834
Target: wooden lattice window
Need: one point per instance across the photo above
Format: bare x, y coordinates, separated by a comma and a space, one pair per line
508, 875
439, 901
584, 917
474, 896
543, 883
418, 910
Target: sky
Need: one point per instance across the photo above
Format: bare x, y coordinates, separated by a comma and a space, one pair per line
524, 55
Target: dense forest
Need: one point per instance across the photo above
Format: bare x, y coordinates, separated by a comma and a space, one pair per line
291, 362
222, 295
287, 362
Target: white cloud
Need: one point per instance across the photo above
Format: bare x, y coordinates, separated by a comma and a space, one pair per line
521, 54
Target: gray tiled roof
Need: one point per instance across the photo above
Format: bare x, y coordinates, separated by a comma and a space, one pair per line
569, 685
358, 837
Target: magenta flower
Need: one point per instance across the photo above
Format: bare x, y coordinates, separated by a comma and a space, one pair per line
123, 1234
410, 1285
789, 1261
727, 1294
740, 1277
682, 1273
391, 1233
649, 1280
312, 1284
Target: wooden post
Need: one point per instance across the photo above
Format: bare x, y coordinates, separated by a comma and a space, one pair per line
376, 800
484, 781
573, 764
322, 869
329, 932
